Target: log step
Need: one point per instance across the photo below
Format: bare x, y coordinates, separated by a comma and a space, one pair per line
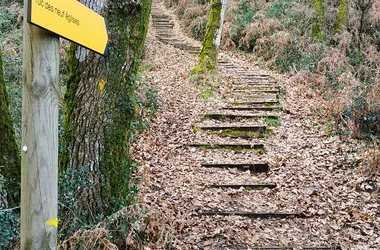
222, 117
245, 186
259, 148
254, 215
253, 167
243, 131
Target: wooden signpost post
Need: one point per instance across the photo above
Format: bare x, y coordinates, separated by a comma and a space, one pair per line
39, 159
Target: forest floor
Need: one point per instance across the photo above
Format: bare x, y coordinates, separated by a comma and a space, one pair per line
321, 175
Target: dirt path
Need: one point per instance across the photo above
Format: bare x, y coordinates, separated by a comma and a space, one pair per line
250, 168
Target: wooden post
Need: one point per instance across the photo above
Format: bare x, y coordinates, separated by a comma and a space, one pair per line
39, 159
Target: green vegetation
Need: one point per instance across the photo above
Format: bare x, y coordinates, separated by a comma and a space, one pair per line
236, 132
272, 122
259, 149
9, 152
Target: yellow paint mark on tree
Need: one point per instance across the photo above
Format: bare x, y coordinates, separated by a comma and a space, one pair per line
102, 82
53, 222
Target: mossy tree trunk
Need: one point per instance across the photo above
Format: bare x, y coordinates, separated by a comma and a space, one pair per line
318, 26
342, 14
210, 46
10, 165
100, 107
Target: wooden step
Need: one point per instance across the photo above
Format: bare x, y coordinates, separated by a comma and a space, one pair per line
259, 148
293, 248
253, 167
255, 215
257, 96
253, 108
245, 186
255, 91
221, 116
266, 103
256, 82
235, 131
163, 26
160, 16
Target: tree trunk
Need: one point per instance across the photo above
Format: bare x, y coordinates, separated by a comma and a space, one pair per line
10, 166
211, 42
318, 26
342, 13
100, 107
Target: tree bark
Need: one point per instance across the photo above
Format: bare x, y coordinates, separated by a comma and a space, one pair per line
211, 42
100, 107
318, 26
342, 14
10, 167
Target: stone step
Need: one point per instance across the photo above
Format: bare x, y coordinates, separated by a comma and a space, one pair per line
235, 131
255, 90
245, 186
258, 148
255, 215
253, 167
222, 117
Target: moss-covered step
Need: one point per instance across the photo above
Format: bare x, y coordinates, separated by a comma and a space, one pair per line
258, 108
235, 131
253, 167
160, 16
255, 215
258, 147
266, 103
246, 186
236, 116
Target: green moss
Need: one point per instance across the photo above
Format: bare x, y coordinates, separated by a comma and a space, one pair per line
117, 106
319, 20
235, 132
273, 122
343, 5
197, 129
208, 56
10, 165
259, 151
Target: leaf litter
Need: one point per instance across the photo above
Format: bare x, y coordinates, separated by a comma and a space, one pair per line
317, 174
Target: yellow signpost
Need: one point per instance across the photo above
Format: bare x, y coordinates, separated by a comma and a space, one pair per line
72, 20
